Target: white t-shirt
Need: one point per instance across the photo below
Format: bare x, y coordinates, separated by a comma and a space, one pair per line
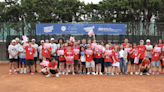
35, 46
18, 45
103, 50
54, 48
22, 52
13, 49
58, 46
39, 50
121, 53
148, 53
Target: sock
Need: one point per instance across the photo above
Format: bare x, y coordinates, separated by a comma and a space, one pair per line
24, 69
21, 69
10, 70
14, 70
17, 69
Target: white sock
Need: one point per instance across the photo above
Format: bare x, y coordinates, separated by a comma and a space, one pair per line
14, 70
25, 69
21, 69
17, 69
10, 70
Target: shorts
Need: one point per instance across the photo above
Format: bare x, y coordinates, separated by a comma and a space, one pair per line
76, 62
161, 62
40, 60
131, 60
162, 66
140, 61
53, 71
155, 63
98, 60
62, 61
90, 64
69, 63
150, 59
22, 60
13, 60
29, 61
106, 64
35, 58
82, 63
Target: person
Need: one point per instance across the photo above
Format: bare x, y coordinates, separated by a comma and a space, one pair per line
61, 60
43, 66
161, 45
149, 47
29, 57
52, 68
78, 42
35, 46
59, 41
54, 48
82, 60
128, 56
89, 41
46, 51
89, 59
69, 56
123, 59
84, 44
162, 58
115, 57
126, 43
103, 43
22, 57
107, 60
76, 50
145, 66
155, 60
115, 45
134, 52
13, 56
142, 51
18, 44
40, 49
66, 46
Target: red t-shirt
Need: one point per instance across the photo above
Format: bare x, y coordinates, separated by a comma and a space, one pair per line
155, 56
52, 66
124, 45
145, 63
107, 58
142, 50
77, 48
114, 47
162, 61
161, 48
89, 54
135, 53
29, 52
116, 56
45, 52
98, 54
69, 55
61, 57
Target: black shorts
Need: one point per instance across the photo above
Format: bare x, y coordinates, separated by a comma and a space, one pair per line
35, 58
48, 59
162, 66
29, 62
150, 59
131, 60
13, 60
76, 62
98, 60
40, 60
140, 61
106, 64
161, 62
62, 61
82, 63
53, 71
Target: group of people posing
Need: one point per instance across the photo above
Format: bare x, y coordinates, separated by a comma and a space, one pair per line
86, 58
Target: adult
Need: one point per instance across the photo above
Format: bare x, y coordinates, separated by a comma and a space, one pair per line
115, 45
35, 46
18, 44
46, 51
160, 44
54, 48
84, 43
125, 43
40, 49
13, 56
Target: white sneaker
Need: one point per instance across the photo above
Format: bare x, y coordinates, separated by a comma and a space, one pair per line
131, 73
147, 73
73, 73
88, 73
24, 71
141, 73
48, 75
93, 73
57, 75
112, 73
21, 72
63, 73
66, 74
136, 73
100, 73
117, 73
96, 73
69, 70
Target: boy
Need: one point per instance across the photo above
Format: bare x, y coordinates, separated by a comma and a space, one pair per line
145, 66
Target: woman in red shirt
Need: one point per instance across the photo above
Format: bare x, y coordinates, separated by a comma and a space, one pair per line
115, 57
160, 44
69, 56
61, 59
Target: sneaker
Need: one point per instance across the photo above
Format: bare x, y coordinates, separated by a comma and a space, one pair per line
100, 73
69, 70
136, 73
24, 71
18, 72
147, 73
48, 75
106, 73
57, 75
157, 72
80, 73
88, 73
15, 72
73, 73
63, 73
112, 73
153, 73
93, 73
84, 73
141, 73
117, 73
109, 73
21, 72
131, 73
10, 72
66, 74
32, 73
36, 71
28, 73
96, 73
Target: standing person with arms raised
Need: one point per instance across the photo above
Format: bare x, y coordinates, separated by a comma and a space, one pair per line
18, 44
35, 46
46, 51
13, 56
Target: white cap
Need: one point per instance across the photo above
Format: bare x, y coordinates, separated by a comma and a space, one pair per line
148, 40
141, 40
13, 40
42, 41
17, 38
33, 40
22, 41
52, 39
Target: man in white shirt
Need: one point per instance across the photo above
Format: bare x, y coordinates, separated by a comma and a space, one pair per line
35, 46
18, 44
54, 48
13, 56
40, 49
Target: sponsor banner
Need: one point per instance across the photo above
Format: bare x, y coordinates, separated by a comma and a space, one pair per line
80, 28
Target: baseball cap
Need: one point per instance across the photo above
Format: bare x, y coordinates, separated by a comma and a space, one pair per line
141, 40
17, 38
148, 40
22, 41
52, 39
42, 41
33, 40
13, 40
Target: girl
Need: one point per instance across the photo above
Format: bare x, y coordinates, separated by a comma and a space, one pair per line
82, 59
43, 67
123, 59
160, 44
61, 59
155, 60
115, 57
162, 58
134, 52
128, 56
107, 60
103, 43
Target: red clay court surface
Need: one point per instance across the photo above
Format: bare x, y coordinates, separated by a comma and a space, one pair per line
79, 83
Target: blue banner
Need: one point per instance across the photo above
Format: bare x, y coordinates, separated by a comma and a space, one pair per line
80, 28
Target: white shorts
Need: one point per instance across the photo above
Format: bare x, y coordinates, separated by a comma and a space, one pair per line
90, 64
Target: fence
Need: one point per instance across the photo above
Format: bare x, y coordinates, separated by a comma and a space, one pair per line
134, 32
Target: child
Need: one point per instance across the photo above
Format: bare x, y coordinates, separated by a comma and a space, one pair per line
115, 57
107, 60
162, 58
44, 67
155, 59
22, 57
145, 66
61, 60
82, 59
